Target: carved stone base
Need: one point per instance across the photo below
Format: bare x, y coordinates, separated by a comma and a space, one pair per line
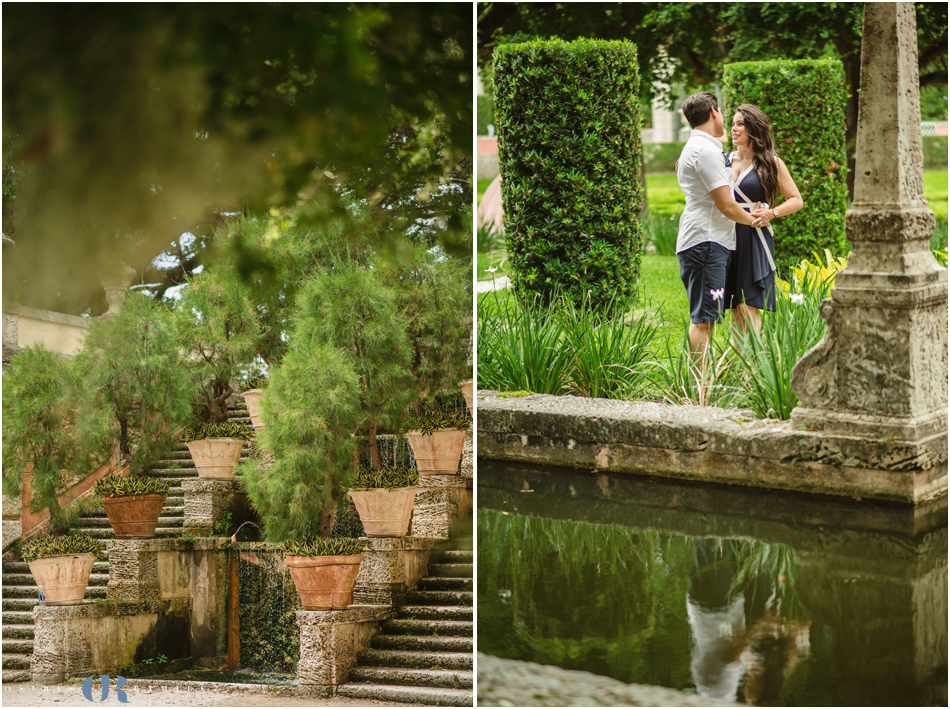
329, 644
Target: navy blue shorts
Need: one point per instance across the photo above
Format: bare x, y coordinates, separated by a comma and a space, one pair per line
703, 269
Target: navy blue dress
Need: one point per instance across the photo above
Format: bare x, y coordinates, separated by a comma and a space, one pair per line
751, 278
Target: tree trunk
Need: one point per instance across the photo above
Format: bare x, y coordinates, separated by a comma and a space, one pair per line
377, 462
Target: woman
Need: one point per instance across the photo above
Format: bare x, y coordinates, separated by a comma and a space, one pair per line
759, 175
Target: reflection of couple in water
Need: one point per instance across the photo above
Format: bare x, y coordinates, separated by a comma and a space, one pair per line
735, 612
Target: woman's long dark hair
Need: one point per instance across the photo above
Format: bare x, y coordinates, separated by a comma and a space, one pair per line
758, 128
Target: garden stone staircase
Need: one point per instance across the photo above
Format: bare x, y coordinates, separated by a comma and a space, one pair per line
424, 655
21, 594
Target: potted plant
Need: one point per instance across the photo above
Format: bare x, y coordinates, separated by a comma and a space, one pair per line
51, 433
310, 413
437, 440
132, 504
384, 499
251, 391
61, 566
324, 571
216, 447
134, 362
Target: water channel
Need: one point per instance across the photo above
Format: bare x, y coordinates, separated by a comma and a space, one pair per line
760, 597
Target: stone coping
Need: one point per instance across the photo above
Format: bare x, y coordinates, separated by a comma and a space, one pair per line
407, 543
155, 545
46, 315
103, 609
707, 444
516, 683
350, 614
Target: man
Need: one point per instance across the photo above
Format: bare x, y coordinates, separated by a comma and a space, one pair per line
706, 236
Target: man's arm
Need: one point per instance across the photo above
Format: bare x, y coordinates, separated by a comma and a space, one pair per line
722, 196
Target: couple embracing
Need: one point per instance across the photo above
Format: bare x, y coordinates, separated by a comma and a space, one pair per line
725, 245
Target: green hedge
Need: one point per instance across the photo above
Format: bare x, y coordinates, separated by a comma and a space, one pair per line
568, 122
485, 113
935, 152
805, 101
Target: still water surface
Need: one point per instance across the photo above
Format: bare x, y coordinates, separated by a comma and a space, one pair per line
762, 598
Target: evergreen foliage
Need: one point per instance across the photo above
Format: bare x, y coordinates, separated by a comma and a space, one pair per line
568, 120
351, 308
218, 326
434, 295
134, 362
311, 409
57, 546
805, 101
114, 486
50, 427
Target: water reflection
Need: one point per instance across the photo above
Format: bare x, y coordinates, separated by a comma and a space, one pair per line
844, 605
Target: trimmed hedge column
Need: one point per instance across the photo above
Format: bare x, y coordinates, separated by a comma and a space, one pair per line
805, 101
568, 121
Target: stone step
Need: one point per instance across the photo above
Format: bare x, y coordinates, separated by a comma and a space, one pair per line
419, 626
446, 583
18, 617
454, 570
21, 567
17, 646
16, 662
454, 556
416, 659
429, 696
432, 612
19, 604
17, 592
11, 676
17, 631
455, 679
427, 643
441, 598
169, 474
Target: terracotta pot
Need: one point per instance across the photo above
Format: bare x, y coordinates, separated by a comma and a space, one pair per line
63, 579
439, 453
324, 582
252, 397
134, 516
384, 512
467, 385
215, 458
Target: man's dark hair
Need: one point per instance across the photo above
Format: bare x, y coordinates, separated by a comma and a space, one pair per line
696, 108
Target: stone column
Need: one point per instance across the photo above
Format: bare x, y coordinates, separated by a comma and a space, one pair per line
443, 499
390, 569
880, 373
329, 644
208, 502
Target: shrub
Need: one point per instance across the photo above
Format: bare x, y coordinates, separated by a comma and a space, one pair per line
388, 477
435, 420
114, 486
568, 122
805, 101
661, 230
322, 546
56, 546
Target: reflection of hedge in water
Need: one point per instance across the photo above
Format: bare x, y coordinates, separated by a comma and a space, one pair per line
268, 601
600, 598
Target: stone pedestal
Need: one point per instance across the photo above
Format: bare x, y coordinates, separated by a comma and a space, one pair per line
99, 638
880, 373
208, 502
443, 499
390, 569
329, 643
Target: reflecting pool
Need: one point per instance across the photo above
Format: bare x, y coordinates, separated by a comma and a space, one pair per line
760, 597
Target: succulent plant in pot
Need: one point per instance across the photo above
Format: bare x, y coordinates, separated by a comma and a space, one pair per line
133, 504
51, 432
384, 499
437, 440
61, 566
216, 447
324, 570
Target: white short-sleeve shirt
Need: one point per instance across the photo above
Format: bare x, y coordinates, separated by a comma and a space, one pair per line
702, 168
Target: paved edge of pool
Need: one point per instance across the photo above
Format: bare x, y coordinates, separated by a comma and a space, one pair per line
515, 683
707, 444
